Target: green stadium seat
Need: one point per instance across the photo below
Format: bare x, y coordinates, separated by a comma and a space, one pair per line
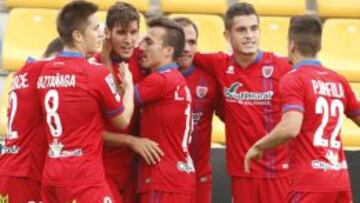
278, 7
338, 8
274, 34
142, 5
350, 133
196, 6
4, 104
340, 47
211, 28
28, 33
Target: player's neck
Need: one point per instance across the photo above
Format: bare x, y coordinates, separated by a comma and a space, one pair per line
161, 64
297, 59
73, 49
244, 60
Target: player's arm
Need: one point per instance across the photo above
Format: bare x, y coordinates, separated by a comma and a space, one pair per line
292, 99
123, 120
207, 62
288, 128
146, 148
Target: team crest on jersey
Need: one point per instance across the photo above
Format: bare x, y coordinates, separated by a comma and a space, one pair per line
4, 199
267, 71
230, 70
201, 91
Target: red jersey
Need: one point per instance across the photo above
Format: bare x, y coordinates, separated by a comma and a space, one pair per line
119, 161
205, 99
251, 106
317, 158
25, 145
166, 119
75, 96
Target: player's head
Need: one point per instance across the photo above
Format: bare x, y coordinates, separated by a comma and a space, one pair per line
163, 43
122, 28
53, 48
304, 36
242, 29
191, 36
78, 27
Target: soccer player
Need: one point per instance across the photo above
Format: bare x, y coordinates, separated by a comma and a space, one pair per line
121, 36
249, 80
75, 95
205, 99
22, 159
314, 100
166, 116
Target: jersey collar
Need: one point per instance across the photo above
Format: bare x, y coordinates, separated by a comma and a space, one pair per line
167, 67
309, 62
71, 54
258, 58
188, 71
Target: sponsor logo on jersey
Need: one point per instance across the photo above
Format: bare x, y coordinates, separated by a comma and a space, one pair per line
230, 70
9, 150
201, 91
232, 94
187, 166
267, 71
4, 199
196, 116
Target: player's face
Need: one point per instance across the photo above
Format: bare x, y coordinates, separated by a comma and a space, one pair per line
244, 34
187, 56
92, 36
123, 39
154, 52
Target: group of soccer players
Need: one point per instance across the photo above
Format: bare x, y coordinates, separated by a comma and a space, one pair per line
132, 123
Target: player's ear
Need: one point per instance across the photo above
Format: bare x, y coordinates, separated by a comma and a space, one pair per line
291, 46
169, 51
77, 36
107, 33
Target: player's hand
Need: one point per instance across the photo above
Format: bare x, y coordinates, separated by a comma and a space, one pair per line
253, 153
147, 149
105, 53
125, 75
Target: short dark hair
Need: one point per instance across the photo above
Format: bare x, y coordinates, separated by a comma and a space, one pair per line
55, 46
186, 22
238, 9
306, 31
123, 14
74, 16
174, 35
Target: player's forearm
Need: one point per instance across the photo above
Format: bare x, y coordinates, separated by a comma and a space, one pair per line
279, 135
288, 128
116, 139
128, 101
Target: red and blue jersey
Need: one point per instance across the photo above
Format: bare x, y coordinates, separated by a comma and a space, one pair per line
251, 108
166, 119
205, 100
318, 162
75, 96
25, 146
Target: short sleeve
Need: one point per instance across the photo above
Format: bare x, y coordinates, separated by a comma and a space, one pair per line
291, 93
352, 108
150, 89
110, 99
207, 62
